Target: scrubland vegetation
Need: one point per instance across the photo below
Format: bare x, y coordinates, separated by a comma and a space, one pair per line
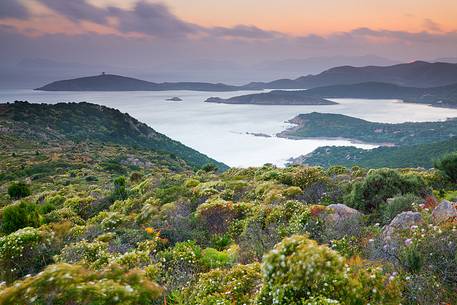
97, 222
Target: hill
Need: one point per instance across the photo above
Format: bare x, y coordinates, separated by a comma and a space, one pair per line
85, 122
327, 125
421, 155
109, 82
276, 97
416, 74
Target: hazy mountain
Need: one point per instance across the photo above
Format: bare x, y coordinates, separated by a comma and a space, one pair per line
415, 74
314, 65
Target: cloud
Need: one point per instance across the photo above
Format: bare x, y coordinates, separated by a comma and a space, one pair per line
77, 10
13, 9
153, 19
244, 31
431, 25
150, 19
406, 37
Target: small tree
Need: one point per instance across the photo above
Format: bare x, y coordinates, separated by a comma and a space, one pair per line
120, 189
18, 190
210, 167
448, 165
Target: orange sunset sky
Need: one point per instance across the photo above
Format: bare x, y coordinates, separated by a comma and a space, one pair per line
324, 16
294, 17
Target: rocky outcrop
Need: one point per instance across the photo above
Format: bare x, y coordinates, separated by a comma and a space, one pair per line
445, 211
342, 213
401, 222
341, 220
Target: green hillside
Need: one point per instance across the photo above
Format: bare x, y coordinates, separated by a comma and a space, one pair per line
82, 122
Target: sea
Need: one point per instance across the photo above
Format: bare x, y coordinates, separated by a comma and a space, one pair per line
238, 135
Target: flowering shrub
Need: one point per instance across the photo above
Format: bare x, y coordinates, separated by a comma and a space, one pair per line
237, 285
429, 252
73, 284
94, 254
24, 252
298, 270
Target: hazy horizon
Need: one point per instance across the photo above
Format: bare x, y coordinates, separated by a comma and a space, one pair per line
46, 40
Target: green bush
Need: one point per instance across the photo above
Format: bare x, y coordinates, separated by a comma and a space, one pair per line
399, 204
18, 216
212, 258
120, 189
448, 165
379, 185
18, 190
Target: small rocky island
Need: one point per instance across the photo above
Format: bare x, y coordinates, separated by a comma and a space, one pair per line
174, 99
276, 97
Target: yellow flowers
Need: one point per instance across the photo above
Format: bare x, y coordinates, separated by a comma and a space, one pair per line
149, 230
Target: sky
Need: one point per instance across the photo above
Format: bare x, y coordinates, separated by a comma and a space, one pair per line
226, 40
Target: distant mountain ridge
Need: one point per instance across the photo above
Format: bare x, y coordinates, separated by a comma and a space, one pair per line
415, 74
419, 74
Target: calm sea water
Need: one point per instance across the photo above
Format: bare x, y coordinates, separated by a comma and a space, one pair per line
222, 131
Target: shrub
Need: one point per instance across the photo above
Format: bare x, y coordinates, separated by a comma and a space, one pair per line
24, 252
448, 165
216, 215
212, 258
18, 190
238, 285
73, 284
180, 264
399, 204
135, 177
298, 271
210, 167
18, 216
379, 185
302, 176
92, 254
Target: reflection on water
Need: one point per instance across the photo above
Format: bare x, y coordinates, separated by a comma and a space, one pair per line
225, 132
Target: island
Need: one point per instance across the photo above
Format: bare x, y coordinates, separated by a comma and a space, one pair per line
174, 99
443, 96
111, 82
276, 97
